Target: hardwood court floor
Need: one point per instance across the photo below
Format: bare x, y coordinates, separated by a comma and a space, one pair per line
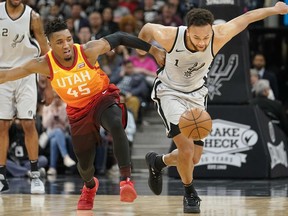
219, 197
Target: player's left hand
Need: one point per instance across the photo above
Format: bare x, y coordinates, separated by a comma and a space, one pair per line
281, 8
159, 55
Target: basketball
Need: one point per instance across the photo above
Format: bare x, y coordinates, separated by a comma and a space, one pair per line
195, 123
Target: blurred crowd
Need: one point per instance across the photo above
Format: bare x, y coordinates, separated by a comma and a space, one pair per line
131, 72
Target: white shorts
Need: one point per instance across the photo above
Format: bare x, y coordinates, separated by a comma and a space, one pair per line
171, 104
19, 98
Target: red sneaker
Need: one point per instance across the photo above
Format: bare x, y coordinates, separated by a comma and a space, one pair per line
86, 200
127, 191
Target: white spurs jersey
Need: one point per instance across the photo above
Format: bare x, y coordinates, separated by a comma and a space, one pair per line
185, 70
16, 43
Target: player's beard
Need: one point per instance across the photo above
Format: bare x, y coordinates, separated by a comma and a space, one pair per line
15, 4
197, 49
194, 47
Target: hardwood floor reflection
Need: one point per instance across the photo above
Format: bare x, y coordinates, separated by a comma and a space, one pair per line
219, 197
52, 205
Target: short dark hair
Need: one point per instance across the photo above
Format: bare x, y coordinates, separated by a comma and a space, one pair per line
55, 26
199, 17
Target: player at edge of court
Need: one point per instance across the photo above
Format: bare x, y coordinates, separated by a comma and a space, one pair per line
21, 38
91, 99
180, 85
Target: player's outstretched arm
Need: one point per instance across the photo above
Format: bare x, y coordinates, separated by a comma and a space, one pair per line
227, 31
111, 41
162, 35
38, 65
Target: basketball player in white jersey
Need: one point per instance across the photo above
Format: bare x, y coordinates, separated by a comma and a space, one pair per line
180, 85
21, 39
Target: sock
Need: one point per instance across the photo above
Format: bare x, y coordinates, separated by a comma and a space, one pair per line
125, 172
159, 162
3, 170
189, 189
34, 165
90, 184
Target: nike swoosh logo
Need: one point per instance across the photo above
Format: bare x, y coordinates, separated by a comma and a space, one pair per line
104, 92
179, 50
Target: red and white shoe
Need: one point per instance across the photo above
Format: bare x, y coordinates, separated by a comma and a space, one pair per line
86, 200
127, 191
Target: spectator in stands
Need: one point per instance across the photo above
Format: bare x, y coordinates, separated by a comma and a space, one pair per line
100, 4
130, 4
118, 11
70, 26
43, 6
179, 7
97, 30
108, 24
112, 61
259, 63
134, 86
272, 108
254, 78
168, 16
65, 7
146, 65
139, 16
78, 16
88, 6
84, 34
150, 11
128, 24
56, 122
54, 13
18, 164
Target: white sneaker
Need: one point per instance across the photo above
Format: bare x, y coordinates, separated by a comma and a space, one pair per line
68, 162
52, 171
37, 186
3, 184
42, 172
